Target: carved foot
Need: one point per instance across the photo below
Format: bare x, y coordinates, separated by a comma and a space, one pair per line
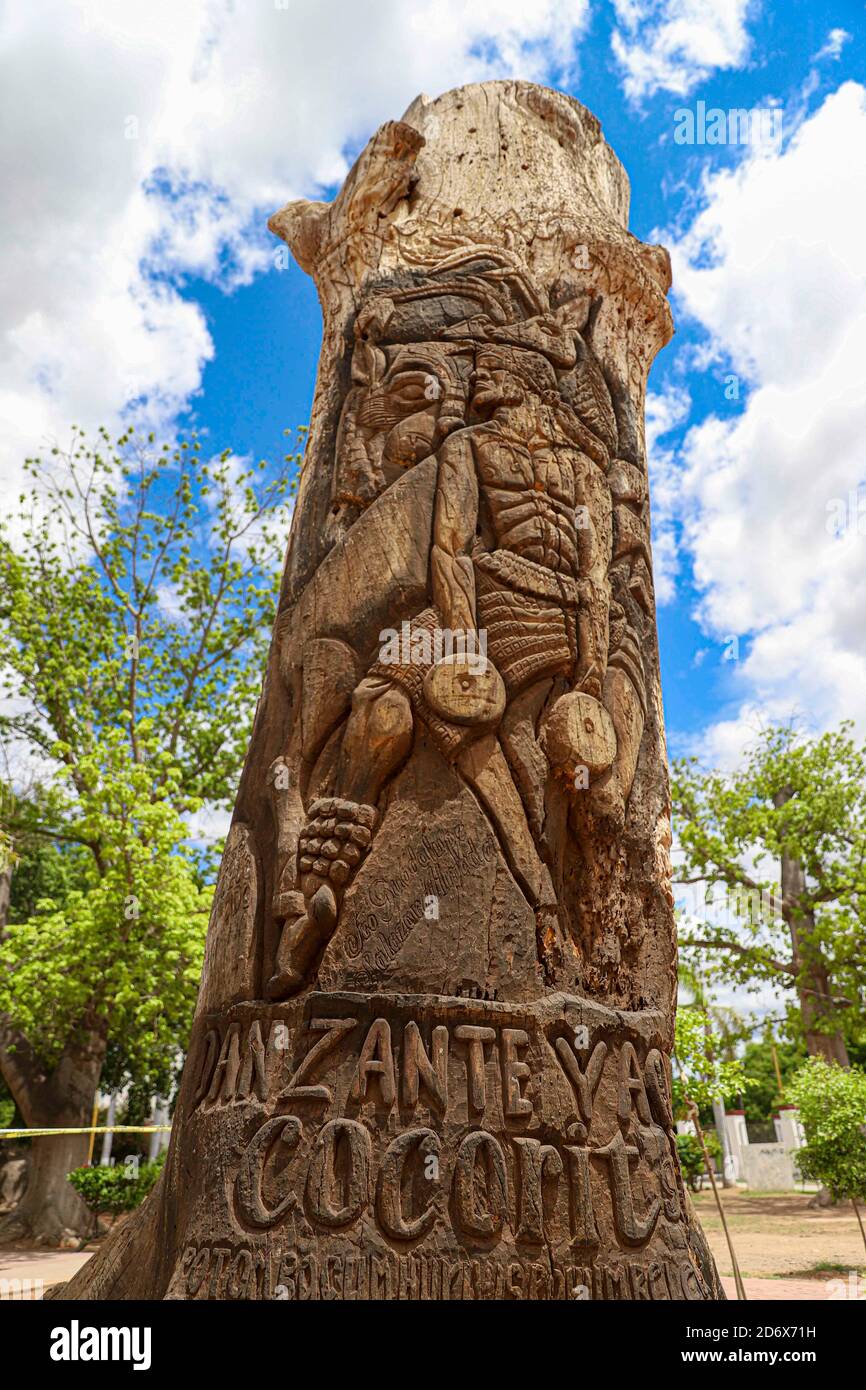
283, 984
330, 848
302, 942
334, 841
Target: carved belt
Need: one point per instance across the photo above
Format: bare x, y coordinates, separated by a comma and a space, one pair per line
529, 614
515, 572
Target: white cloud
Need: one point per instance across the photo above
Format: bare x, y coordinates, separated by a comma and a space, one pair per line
147, 142
722, 744
672, 45
774, 269
833, 45
84, 331
208, 825
155, 138
665, 410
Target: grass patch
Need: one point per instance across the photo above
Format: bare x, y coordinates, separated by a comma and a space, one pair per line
816, 1270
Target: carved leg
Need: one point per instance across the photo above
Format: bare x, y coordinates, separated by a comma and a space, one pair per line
339, 830
610, 793
378, 737
526, 757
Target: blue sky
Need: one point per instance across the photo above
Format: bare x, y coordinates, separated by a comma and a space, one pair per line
140, 270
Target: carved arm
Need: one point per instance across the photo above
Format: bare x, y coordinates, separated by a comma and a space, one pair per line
455, 516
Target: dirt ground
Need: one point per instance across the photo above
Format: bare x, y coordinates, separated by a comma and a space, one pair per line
778, 1235
28, 1274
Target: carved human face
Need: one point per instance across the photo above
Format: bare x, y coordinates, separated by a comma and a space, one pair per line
493, 384
420, 377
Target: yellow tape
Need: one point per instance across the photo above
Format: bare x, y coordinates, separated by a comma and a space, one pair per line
88, 1129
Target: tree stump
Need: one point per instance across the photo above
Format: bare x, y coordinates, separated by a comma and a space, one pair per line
431, 1053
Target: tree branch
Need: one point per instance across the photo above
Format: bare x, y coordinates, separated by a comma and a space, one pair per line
751, 952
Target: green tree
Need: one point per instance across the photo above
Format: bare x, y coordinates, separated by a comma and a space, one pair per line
832, 1103
728, 1025
137, 591
762, 1097
702, 1071
7, 1111
691, 1156
785, 836
43, 868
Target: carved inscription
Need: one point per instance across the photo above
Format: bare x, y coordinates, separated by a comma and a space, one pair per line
390, 907
411, 1123
246, 1272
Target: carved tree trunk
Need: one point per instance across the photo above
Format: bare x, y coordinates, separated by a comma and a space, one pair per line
430, 1058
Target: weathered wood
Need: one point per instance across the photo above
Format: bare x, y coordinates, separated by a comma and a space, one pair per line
431, 1052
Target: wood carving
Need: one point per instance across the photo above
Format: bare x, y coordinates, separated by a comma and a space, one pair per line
431, 1053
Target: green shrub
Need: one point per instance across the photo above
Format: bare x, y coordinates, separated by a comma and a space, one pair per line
117, 1189
691, 1159
832, 1102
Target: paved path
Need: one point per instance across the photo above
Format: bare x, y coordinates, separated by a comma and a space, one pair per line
29, 1267
784, 1290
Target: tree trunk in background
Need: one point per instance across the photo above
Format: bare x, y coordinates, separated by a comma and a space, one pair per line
5, 892
430, 1057
51, 1211
814, 1003
814, 990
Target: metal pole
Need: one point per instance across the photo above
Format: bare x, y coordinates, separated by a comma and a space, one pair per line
722, 1132
108, 1138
